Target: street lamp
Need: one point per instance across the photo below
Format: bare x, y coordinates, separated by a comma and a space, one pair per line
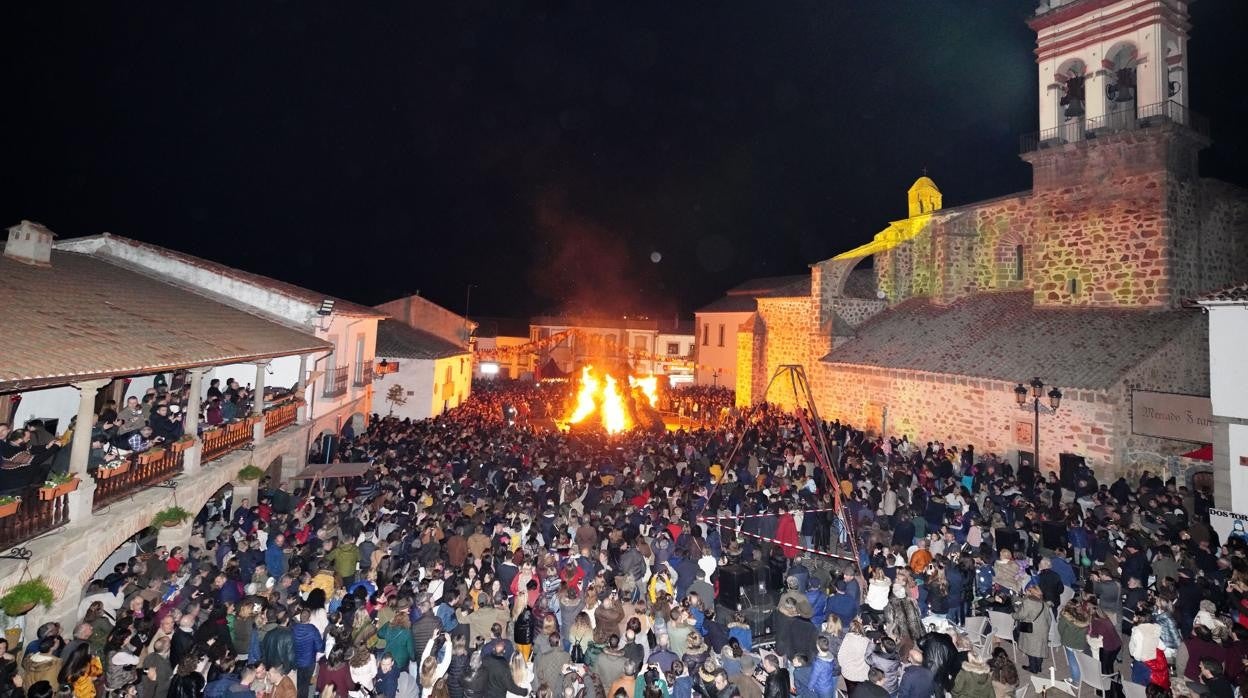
1021, 394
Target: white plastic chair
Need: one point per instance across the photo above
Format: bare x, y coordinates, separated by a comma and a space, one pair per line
1130, 689
1021, 691
1090, 674
976, 627
1055, 642
1003, 630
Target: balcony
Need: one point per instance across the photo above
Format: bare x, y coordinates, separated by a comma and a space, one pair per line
1115, 122
336, 381
226, 438
279, 417
33, 516
138, 472
364, 373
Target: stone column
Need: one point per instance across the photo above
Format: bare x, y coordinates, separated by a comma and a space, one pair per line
190, 423
301, 390
80, 501
257, 403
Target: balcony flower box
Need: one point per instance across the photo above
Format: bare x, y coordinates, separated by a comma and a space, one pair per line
9, 505
53, 489
182, 444
113, 469
151, 456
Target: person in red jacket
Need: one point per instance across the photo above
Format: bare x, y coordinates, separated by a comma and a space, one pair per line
786, 535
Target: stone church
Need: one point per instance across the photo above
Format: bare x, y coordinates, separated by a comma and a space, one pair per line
1083, 281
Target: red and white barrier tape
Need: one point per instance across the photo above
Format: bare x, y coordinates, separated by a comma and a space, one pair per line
790, 546
759, 516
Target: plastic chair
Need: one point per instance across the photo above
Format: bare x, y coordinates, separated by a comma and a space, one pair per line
976, 627
1130, 689
1090, 674
1021, 691
842, 689
1055, 643
1003, 630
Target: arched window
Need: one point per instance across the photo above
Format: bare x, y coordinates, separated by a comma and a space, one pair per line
1018, 263
1072, 286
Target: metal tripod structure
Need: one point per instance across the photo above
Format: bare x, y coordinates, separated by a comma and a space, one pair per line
805, 410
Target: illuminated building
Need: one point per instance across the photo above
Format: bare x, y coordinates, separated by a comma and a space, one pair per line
1081, 279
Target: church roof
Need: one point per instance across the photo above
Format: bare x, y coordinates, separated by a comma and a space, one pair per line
1229, 295
399, 340
1004, 336
742, 298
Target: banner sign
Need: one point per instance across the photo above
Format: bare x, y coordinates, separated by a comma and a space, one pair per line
1228, 524
1172, 416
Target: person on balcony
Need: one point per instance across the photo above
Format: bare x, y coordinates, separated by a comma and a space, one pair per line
141, 440
233, 408
130, 418
212, 414
165, 424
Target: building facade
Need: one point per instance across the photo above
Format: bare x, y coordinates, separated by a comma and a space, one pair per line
1228, 373
427, 360
1080, 281
717, 324
103, 329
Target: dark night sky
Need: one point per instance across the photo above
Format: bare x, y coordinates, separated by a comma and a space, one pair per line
540, 150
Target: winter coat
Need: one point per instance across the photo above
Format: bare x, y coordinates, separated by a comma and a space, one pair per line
890, 664
1036, 642
901, 618
278, 648
974, 681
398, 643
307, 643
853, 657
940, 657
786, 535
497, 680
823, 675
522, 629
916, 682
778, 684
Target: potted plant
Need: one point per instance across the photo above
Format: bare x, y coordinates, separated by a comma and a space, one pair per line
9, 505
112, 469
170, 517
184, 442
249, 473
151, 455
23, 596
57, 484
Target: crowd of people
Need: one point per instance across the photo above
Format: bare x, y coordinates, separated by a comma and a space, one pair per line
485, 558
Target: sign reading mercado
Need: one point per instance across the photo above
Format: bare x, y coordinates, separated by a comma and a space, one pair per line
1172, 416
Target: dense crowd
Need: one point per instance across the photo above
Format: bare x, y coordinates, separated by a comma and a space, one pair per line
482, 558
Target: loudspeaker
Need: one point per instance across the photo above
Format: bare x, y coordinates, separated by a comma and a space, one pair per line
1069, 473
733, 579
1052, 535
759, 620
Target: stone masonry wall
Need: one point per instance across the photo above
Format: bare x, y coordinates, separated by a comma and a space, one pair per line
931, 407
788, 342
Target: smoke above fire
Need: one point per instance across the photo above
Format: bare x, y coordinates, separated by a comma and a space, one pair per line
584, 267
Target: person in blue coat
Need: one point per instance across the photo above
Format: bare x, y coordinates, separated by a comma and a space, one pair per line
818, 602
275, 556
842, 604
824, 671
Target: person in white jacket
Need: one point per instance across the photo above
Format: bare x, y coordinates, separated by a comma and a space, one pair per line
853, 656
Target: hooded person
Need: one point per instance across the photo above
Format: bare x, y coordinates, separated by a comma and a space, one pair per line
975, 679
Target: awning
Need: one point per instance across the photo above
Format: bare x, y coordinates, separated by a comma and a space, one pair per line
1203, 453
334, 470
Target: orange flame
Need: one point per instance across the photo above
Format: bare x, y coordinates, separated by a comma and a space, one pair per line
604, 396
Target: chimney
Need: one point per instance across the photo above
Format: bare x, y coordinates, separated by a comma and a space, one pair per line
30, 243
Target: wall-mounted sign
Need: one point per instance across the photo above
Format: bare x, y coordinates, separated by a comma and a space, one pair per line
1172, 416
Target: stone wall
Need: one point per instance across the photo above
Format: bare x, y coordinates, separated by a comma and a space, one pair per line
788, 335
67, 557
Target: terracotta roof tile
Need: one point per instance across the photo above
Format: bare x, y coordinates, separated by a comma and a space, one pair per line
1237, 293
1004, 336
84, 317
402, 341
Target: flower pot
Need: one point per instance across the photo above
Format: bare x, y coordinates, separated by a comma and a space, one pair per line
106, 473
172, 524
150, 456
10, 508
181, 445
49, 493
22, 609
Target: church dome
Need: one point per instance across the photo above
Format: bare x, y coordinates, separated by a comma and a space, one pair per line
923, 196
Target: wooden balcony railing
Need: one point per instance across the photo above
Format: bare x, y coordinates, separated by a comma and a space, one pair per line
226, 438
34, 516
141, 470
279, 417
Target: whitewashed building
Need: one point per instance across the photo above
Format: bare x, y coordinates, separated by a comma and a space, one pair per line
1228, 376
716, 324
427, 363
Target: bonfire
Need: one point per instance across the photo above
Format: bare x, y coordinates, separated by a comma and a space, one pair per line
615, 403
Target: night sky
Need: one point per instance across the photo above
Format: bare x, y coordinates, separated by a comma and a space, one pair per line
540, 150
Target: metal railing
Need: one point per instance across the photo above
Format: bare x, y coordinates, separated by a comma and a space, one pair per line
34, 516
1118, 121
363, 373
336, 381
279, 417
138, 472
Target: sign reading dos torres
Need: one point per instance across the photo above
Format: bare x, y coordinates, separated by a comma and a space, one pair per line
1172, 416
